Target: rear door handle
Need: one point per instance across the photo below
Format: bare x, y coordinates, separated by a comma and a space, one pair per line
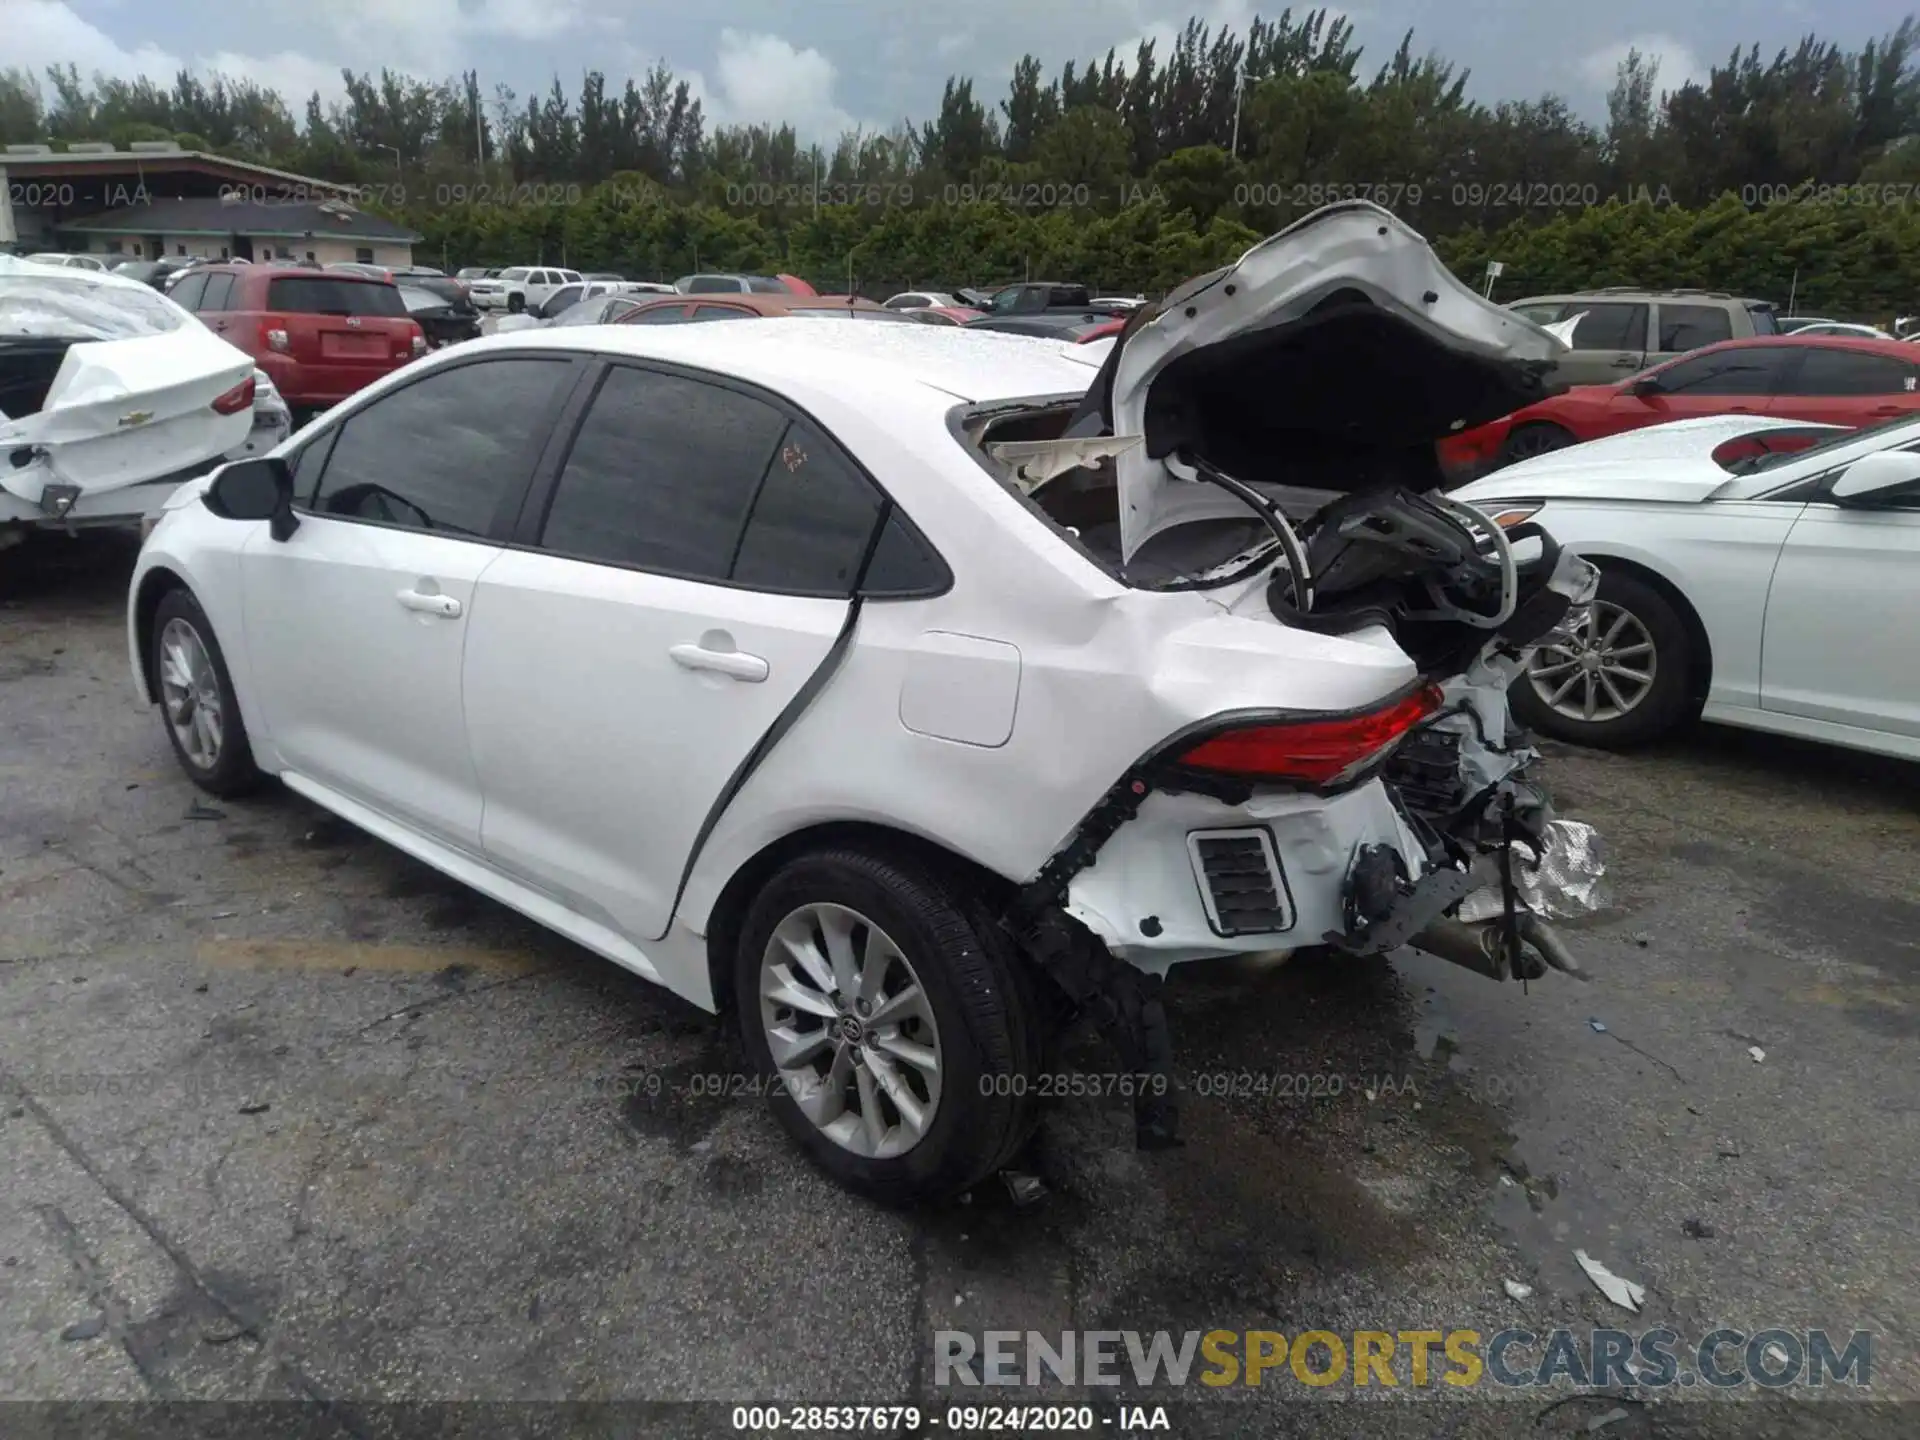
735, 663
426, 604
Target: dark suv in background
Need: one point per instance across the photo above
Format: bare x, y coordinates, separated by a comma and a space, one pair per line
1623, 330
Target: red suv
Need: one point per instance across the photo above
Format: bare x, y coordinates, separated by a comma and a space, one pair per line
320, 334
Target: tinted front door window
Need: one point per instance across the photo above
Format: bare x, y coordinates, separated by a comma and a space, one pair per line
1739, 371
445, 452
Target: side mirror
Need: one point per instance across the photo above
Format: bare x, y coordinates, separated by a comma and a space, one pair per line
1875, 474
257, 489
1646, 386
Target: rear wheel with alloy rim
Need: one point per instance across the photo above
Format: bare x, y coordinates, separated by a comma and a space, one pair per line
1625, 677
197, 700
874, 994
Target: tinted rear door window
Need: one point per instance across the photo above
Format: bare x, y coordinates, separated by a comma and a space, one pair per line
218, 294
1609, 326
328, 295
662, 474
1688, 327
1829, 371
444, 453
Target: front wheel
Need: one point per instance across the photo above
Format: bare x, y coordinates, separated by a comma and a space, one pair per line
1625, 679
891, 1021
197, 700
1528, 441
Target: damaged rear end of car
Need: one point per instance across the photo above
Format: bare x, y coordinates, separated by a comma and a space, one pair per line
105, 386
1266, 439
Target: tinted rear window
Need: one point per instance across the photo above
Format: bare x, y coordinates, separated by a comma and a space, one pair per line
1765, 322
329, 295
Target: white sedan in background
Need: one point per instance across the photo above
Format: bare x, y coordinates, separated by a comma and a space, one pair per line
1760, 573
110, 396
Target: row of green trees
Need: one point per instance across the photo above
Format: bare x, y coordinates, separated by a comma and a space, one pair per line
1181, 152
1826, 255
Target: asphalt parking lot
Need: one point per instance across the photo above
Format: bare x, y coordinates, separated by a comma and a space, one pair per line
288, 1116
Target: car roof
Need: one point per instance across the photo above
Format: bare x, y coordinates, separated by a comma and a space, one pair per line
1623, 293
868, 360
762, 301
304, 272
1862, 344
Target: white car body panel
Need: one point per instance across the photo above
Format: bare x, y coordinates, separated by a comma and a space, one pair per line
366, 702
119, 412
1808, 607
518, 744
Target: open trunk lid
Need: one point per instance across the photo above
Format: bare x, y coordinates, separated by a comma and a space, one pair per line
107, 384
1331, 356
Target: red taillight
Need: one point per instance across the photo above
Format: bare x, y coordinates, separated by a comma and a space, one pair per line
273, 333
239, 398
1315, 751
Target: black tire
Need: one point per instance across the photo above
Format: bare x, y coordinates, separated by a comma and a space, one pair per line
983, 1008
232, 771
1537, 438
1673, 700
516, 302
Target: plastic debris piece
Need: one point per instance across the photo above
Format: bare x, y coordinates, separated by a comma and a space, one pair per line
1757, 1053
1025, 1189
1778, 1355
1622, 1292
1516, 1291
1601, 1422
1598, 1027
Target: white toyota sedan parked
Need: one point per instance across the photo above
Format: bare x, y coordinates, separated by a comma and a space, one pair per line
902, 690
1760, 573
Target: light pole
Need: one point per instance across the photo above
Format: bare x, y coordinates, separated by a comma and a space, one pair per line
400, 173
1239, 94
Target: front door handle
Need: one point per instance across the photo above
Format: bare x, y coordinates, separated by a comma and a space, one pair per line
735, 663
434, 604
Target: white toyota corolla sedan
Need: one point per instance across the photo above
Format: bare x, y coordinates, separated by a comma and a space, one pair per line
906, 691
1760, 573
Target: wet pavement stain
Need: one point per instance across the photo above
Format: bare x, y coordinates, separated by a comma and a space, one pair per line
684, 1101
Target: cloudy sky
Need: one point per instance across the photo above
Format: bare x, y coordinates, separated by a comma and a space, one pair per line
824, 65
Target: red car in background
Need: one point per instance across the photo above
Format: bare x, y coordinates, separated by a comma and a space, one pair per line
1833, 380
319, 334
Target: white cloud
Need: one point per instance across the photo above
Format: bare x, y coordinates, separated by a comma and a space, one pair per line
48, 32
40, 33
764, 80
1678, 63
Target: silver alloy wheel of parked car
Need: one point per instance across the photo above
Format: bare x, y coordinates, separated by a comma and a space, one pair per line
841, 1006
191, 692
1606, 672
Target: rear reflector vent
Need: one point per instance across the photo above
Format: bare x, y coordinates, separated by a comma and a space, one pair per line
1241, 881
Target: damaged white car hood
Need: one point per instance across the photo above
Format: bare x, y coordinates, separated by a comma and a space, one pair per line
130, 398
1354, 258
